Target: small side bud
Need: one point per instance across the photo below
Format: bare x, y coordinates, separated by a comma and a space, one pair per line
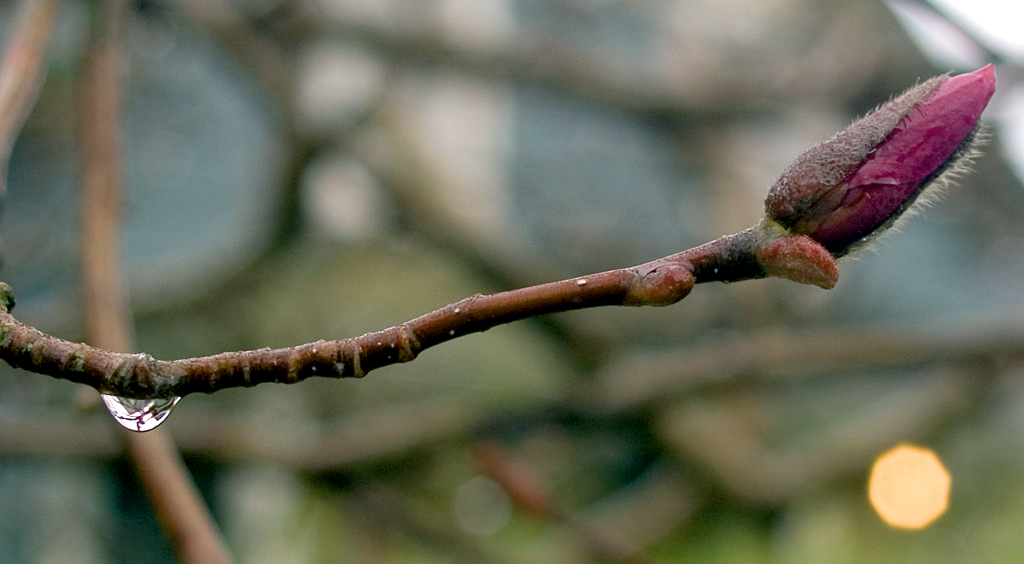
851, 187
659, 284
800, 259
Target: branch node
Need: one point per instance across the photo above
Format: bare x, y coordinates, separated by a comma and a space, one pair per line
409, 344
357, 353
659, 283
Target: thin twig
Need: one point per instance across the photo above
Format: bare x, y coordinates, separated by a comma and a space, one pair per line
175, 499
658, 283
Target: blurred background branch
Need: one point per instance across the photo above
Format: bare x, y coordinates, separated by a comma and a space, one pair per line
22, 71
176, 502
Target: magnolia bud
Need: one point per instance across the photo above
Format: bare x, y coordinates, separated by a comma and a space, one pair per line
852, 186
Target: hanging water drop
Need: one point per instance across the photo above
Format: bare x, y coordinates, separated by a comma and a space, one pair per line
139, 414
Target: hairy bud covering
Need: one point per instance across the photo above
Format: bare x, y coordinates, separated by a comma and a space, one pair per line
850, 187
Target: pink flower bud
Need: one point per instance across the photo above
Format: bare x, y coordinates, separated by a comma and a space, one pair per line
854, 185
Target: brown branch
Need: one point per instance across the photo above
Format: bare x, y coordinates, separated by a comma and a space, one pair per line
22, 70
657, 283
171, 491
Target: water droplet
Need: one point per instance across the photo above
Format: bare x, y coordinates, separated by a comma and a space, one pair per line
458, 310
139, 414
581, 282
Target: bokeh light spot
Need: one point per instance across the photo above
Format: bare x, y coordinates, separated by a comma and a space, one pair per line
909, 487
481, 506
